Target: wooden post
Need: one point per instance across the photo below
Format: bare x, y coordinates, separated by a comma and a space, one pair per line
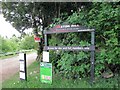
92, 56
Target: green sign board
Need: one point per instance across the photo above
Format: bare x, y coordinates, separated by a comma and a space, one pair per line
46, 72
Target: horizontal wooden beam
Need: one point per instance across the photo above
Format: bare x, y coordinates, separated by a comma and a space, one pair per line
70, 48
67, 30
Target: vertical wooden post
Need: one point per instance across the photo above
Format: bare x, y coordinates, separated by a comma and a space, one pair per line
45, 35
92, 56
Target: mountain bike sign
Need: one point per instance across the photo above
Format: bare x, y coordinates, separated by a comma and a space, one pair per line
46, 72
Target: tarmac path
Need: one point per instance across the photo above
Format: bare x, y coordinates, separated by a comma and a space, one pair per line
10, 66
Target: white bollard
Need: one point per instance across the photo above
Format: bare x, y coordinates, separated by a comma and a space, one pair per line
23, 71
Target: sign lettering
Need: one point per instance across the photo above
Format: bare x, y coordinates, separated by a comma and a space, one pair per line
67, 28
70, 48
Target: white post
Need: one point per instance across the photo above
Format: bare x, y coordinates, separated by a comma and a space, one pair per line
23, 72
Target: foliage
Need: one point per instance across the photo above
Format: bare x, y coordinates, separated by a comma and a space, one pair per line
35, 15
8, 45
28, 43
24, 15
70, 64
104, 17
15, 44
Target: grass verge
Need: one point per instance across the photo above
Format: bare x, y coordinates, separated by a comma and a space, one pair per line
4, 57
33, 81
9, 56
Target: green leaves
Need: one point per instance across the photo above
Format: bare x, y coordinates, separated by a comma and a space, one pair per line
104, 17
9, 45
15, 44
28, 43
73, 19
70, 63
84, 43
82, 56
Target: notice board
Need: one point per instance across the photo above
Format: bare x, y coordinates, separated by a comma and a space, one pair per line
46, 72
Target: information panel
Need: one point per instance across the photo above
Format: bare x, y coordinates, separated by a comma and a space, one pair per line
45, 56
22, 66
73, 28
21, 56
46, 72
22, 75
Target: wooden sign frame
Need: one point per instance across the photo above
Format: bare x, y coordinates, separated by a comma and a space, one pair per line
73, 28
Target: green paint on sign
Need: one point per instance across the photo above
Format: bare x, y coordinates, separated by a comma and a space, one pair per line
46, 72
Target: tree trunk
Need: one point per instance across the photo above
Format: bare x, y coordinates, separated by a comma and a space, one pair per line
35, 27
59, 10
39, 52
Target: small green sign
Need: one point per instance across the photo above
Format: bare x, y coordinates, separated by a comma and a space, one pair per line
46, 72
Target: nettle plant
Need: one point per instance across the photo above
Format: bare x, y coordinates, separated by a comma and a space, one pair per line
75, 64
104, 17
70, 64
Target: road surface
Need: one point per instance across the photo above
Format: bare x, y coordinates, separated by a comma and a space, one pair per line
10, 66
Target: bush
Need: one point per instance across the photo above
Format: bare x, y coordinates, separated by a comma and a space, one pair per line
27, 43
104, 17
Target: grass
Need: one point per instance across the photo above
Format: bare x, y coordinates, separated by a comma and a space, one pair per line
4, 57
9, 56
33, 81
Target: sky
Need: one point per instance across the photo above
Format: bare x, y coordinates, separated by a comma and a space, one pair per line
6, 28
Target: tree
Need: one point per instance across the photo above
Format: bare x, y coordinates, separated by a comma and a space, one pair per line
24, 15
104, 17
8, 45
28, 43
